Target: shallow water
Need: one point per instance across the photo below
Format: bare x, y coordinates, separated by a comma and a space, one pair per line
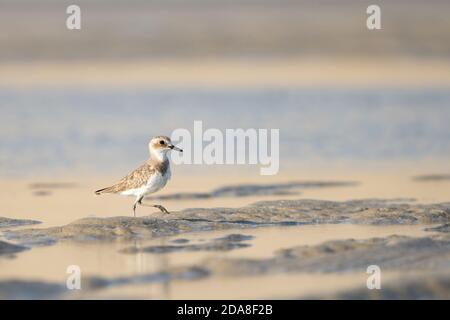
56, 148
46, 131
105, 260
66, 200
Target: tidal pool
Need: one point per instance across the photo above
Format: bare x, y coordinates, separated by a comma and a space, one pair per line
108, 261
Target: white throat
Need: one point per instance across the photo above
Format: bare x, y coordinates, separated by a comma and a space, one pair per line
159, 155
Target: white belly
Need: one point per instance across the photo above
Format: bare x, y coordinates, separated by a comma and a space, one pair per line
155, 183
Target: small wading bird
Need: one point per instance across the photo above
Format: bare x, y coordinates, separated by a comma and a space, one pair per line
151, 177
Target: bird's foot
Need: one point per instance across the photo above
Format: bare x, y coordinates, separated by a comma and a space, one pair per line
160, 207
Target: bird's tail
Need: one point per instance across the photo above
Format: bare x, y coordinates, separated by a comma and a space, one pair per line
104, 190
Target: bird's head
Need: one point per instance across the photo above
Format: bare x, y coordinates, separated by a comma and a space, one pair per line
159, 147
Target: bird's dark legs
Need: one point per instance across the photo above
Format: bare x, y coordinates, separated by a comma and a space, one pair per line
160, 207
138, 201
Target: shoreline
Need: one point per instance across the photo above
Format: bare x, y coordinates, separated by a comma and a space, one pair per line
229, 73
55, 199
326, 248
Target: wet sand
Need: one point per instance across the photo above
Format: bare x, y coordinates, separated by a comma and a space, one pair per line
60, 204
339, 92
273, 250
223, 73
109, 261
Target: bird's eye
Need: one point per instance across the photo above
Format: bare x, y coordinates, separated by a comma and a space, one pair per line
161, 142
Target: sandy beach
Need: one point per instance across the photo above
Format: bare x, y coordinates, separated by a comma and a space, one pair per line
234, 73
173, 261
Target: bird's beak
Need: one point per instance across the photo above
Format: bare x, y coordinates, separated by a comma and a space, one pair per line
175, 148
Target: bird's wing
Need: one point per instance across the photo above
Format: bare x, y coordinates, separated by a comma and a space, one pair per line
134, 180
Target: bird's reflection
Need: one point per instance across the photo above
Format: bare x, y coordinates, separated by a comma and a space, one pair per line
145, 263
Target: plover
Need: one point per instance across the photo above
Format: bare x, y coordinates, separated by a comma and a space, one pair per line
149, 178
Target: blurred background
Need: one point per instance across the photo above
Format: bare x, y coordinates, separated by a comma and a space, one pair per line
78, 107
143, 29
90, 99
